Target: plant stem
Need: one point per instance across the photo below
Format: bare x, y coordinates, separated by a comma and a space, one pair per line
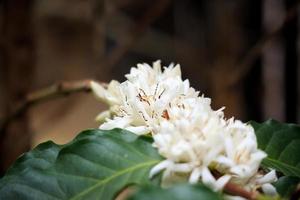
236, 190
57, 90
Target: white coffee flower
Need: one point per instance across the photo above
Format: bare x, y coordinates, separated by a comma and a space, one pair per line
195, 140
141, 100
241, 157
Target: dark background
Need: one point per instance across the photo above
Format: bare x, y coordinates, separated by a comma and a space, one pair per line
241, 53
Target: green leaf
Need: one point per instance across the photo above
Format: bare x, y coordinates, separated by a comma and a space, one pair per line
286, 185
178, 192
282, 144
97, 164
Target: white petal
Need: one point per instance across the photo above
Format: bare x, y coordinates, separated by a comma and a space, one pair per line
117, 122
157, 66
258, 156
268, 178
225, 161
176, 70
182, 167
98, 89
103, 116
159, 167
222, 181
109, 95
269, 189
195, 175
229, 147
208, 179
139, 130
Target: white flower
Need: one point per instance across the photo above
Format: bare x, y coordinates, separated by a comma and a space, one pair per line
195, 139
200, 138
142, 99
241, 158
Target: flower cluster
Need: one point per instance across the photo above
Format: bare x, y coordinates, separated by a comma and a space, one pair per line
197, 142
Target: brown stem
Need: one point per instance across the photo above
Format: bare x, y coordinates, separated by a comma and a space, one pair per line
236, 190
61, 89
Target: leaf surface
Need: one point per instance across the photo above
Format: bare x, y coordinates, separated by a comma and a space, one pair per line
282, 144
97, 164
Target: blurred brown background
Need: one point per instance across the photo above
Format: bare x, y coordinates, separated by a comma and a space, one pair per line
241, 53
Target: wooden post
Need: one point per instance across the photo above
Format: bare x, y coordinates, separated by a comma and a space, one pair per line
273, 62
17, 67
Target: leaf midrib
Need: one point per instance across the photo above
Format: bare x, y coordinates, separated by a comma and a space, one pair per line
283, 164
103, 181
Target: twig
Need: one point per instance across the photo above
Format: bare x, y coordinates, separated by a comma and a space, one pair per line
55, 91
236, 190
244, 65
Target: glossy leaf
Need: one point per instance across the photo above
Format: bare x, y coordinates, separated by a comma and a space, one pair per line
282, 144
97, 164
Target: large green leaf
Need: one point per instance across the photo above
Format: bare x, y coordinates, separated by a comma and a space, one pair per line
178, 192
97, 164
282, 144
